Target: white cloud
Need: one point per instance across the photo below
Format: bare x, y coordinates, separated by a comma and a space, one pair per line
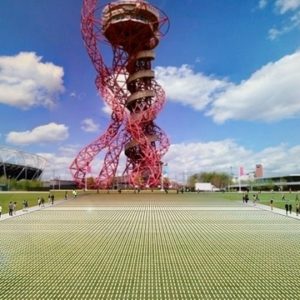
195, 157
49, 133
59, 163
88, 125
184, 86
107, 109
26, 81
274, 33
262, 4
73, 95
58, 166
294, 22
287, 5
187, 158
290, 23
69, 150
222, 156
270, 94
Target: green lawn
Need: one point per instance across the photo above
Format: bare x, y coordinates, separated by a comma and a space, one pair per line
31, 197
265, 197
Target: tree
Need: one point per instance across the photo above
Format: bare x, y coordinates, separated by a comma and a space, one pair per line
219, 180
193, 179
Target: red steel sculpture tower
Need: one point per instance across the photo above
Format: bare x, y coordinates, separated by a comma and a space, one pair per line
131, 29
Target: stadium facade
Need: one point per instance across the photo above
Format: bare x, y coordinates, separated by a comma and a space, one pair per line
16, 164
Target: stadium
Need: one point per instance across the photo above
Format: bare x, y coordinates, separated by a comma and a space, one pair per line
16, 164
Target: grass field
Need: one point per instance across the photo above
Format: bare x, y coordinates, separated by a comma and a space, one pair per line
150, 246
265, 197
31, 197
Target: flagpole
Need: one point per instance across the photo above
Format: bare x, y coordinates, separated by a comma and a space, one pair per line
241, 173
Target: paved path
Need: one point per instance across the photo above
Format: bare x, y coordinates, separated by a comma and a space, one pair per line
276, 210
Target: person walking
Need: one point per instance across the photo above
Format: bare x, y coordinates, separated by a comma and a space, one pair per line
74, 192
255, 199
271, 203
0, 210
10, 208
15, 208
286, 207
24, 205
246, 198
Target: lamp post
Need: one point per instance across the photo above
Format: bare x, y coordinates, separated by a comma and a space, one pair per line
8, 183
162, 176
53, 179
87, 172
231, 177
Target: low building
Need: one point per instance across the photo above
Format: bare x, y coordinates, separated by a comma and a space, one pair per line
276, 183
205, 187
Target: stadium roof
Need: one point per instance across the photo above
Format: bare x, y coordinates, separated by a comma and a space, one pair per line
20, 165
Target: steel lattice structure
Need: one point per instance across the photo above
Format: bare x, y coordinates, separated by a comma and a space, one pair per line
131, 29
21, 165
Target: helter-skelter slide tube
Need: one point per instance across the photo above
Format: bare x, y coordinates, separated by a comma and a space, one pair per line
133, 29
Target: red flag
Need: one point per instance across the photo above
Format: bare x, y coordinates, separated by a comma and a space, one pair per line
241, 171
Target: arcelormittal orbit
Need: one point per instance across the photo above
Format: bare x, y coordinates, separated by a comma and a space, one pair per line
131, 29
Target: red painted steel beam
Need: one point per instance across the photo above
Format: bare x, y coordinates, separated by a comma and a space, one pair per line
131, 29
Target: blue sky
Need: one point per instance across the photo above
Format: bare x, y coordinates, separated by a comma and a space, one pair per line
230, 68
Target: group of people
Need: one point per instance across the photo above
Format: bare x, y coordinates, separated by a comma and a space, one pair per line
12, 208
246, 197
41, 200
289, 207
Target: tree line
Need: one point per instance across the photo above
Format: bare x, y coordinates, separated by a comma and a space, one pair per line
219, 180
23, 184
